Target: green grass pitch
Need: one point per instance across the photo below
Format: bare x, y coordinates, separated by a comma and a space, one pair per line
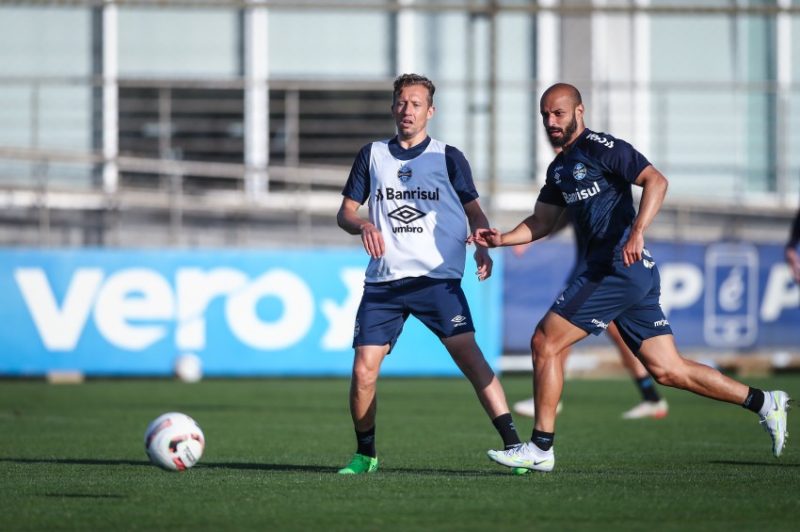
72, 458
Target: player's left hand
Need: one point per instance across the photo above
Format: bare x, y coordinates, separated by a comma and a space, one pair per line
487, 238
632, 250
484, 263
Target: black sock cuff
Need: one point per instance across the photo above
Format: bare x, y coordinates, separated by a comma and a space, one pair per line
503, 419
543, 440
366, 442
647, 387
504, 424
754, 400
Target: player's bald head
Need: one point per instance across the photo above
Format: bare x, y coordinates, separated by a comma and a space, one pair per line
562, 90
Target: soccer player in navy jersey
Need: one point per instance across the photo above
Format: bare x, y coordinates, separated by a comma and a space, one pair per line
652, 405
790, 252
422, 207
591, 177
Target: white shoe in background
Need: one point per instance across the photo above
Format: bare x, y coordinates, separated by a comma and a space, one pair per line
647, 409
527, 408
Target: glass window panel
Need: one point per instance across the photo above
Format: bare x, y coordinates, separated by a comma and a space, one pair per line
515, 138
514, 47
16, 115
339, 44
702, 53
51, 43
693, 3
64, 113
795, 30
46, 41
694, 154
441, 42
178, 42
756, 40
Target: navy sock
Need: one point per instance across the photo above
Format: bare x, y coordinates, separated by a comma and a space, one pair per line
366, 442
648, 389
755, 400
543, 440
504, 424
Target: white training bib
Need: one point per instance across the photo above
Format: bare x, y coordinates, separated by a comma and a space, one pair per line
419, 214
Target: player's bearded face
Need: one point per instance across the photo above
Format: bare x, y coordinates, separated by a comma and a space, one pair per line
559, 136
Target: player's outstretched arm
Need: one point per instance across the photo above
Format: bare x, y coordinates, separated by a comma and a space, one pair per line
654, 189
538, 225
477, 220
349, 220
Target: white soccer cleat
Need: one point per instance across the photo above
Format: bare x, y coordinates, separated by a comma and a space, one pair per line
525, 455
528, 409
775, 421
647, 409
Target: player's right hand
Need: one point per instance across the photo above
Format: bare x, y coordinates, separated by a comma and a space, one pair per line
372, 240
488, 238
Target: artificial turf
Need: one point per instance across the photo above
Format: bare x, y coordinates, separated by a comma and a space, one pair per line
72, 458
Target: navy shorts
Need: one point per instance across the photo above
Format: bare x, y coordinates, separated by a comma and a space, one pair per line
628, 296
440, 304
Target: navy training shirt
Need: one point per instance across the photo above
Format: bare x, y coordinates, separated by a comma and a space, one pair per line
794, 237
458, 170
592, 179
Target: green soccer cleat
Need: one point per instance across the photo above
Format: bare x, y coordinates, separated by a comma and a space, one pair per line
519, 470
360, 464
775, 421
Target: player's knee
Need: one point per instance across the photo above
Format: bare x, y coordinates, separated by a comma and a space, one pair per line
668, 376
364, 374
541, 346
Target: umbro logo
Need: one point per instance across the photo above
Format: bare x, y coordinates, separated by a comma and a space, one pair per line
406, 214
459, 320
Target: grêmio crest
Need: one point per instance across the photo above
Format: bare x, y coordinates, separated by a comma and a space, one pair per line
404, 174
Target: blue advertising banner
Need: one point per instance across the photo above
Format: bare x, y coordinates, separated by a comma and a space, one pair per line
106, 312
728, 295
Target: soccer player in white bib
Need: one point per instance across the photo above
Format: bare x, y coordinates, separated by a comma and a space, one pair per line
422, 207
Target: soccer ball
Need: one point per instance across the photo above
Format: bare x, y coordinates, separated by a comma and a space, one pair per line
174, 441
188, 368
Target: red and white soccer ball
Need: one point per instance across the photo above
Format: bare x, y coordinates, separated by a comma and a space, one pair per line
174, 441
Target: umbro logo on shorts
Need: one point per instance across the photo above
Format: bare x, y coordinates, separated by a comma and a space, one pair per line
459, 320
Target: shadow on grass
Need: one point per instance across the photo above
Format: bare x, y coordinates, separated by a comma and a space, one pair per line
747, 463
76, 461
252, 466
326, 469
83, 496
